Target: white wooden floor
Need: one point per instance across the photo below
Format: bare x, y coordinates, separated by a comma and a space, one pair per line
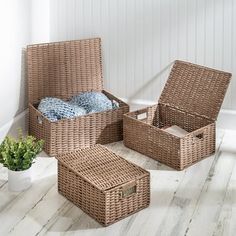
198, 201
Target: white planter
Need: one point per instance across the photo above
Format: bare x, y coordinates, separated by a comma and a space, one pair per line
19, 180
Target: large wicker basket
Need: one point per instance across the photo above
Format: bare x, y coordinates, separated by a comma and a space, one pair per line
62, 70
191, 99
102, 184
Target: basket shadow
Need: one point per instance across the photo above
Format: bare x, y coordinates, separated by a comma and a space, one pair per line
72, 220
43, 154
61, 214
137, 158
111, 133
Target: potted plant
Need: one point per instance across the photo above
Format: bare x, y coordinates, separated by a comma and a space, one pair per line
18, 156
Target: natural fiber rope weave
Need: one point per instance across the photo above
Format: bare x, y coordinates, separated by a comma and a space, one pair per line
62, 70
95, 178
191, 99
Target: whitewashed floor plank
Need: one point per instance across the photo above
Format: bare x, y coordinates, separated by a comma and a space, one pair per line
227, 221
164, 184
21, 203
40, 214
186, 197
213, 195
38, 171
196, 201
184, 200
3, 176
66, 215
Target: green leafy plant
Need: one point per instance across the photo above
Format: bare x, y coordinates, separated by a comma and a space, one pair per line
18, 155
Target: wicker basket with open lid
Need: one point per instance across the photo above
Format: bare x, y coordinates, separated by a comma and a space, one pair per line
191, 100
61, 70
195, 89
104, 185
64, 69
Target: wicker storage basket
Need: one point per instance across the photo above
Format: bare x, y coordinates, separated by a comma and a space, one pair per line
191, 99
62, 70
102, 184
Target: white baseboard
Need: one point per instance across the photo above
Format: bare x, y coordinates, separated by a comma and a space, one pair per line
226, 118
11, 127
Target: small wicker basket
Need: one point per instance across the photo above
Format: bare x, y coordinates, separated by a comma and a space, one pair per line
62, 70
191, 99
102, 184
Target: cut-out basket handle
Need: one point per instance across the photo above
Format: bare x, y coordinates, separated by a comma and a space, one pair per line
128, 189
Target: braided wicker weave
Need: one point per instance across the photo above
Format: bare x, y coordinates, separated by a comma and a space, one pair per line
191, 99
102, 184
62, 70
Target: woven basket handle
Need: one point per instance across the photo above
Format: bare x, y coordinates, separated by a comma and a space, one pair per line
142, 114
40, 119
128, 189
198, 136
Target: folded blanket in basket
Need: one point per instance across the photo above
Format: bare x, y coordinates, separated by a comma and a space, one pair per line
84, 103
55, 109
93, 102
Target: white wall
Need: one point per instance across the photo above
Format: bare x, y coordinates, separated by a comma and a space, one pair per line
142, 37
22, 22
40, 21
140, 40
15, 34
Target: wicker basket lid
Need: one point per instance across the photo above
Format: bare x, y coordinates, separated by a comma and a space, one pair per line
63, 69
195, 89
101, 167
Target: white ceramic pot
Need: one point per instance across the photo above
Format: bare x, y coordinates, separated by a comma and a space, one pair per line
19, 180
